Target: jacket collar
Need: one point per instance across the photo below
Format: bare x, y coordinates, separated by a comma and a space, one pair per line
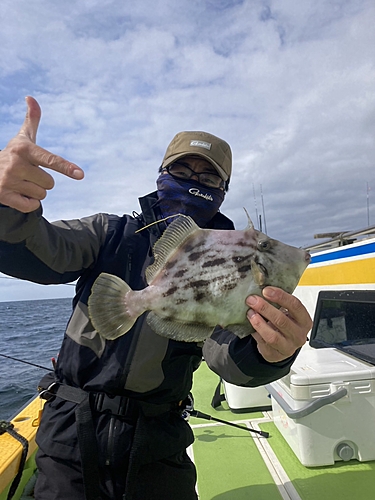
151, 213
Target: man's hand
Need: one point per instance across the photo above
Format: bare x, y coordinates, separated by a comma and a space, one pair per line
23, 184
279, 332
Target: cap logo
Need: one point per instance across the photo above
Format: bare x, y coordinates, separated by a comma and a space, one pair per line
201, 144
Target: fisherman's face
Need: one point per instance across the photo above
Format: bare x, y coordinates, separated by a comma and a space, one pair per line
190, 186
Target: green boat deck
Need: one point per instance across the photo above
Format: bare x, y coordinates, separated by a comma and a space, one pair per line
233, 464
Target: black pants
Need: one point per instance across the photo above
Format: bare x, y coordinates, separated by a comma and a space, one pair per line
172, 478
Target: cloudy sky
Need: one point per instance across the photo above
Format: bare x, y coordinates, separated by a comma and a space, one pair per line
289, 84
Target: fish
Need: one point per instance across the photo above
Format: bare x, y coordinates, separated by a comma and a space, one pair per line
199, 280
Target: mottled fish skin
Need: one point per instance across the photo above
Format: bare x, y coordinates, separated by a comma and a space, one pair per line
203, 281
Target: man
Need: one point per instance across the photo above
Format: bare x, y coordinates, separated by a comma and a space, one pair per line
112, 428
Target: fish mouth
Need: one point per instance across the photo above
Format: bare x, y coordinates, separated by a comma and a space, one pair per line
259, 272
263, 269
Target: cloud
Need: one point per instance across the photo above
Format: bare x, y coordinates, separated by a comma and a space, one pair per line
290, 85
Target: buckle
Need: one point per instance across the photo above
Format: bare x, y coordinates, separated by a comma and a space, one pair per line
47, 394
109, 404
5, 426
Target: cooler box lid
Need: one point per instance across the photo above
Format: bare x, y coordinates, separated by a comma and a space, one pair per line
328, 366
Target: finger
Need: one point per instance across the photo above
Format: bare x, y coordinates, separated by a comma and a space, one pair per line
18, 168
275, 326
273, 345
267, 330
25, 151
39, 177
30, 125
265, 312
268, 352
283, 335
21, 203
39, 156
19, 192
292, 304
30, 190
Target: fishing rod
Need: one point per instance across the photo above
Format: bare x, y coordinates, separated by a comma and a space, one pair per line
18, 279
199, 414
27, 362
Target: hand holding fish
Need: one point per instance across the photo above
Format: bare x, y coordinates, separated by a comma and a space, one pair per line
23, 184
278, 333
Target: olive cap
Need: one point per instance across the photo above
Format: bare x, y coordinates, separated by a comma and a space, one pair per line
208, 146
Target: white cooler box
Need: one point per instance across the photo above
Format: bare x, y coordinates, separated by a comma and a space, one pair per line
325, 407
246, 399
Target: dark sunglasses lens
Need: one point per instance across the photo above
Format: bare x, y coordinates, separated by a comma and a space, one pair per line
180, 171
205, 178
210, 180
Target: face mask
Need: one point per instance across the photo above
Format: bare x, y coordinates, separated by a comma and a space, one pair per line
188, 198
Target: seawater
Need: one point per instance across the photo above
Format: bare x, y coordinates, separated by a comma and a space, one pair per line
32, 331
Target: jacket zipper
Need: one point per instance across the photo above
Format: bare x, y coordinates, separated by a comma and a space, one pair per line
110, 442
128, 268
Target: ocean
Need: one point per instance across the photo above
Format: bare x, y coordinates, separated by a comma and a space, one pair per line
31, 331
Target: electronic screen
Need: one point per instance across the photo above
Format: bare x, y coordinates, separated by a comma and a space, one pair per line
346, 320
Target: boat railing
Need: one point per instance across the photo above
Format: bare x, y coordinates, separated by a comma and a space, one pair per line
339, 239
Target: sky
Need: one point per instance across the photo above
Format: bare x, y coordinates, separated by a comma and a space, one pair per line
289, 84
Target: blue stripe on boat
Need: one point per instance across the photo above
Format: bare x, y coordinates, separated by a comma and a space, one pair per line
344, 252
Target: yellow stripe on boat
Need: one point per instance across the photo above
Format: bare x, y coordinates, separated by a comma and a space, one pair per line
346, 267
348, 264
25, 423
348, 272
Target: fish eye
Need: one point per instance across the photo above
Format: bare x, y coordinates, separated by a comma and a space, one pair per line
264, 245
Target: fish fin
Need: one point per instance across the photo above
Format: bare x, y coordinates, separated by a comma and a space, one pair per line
107, 308
173, 237
186, 332
258, 274
250, 224
242, 330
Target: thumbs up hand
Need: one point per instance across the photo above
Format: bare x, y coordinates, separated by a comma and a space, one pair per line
23, 184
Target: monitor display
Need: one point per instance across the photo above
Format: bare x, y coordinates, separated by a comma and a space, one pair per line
346, 320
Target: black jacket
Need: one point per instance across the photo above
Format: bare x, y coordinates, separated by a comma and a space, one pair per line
140, 364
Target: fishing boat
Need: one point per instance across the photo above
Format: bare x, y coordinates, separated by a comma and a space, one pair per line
344, 261
313, 428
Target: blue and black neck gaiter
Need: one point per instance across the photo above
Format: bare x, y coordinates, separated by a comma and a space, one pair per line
189, 198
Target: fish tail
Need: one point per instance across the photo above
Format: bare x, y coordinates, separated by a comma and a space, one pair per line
108, 309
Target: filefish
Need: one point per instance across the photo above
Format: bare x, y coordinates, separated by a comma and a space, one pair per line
199, 279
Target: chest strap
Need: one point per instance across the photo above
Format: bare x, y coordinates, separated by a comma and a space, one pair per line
120, 406
86, 434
